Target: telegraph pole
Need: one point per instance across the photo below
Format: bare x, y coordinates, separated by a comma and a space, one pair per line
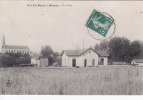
2, 82
83, 43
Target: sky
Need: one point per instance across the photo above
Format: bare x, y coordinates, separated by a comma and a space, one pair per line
63, 28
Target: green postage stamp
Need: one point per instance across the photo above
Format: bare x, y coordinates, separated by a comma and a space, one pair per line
99, 23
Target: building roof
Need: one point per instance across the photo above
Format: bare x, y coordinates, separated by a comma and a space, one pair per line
34, 57
138, 60
81, 51
38, 56
74, 52
15, 47
102, 53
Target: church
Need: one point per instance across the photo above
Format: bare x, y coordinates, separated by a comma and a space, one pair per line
13, 48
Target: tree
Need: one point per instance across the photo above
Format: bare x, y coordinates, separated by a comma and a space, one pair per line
135, 49
57, 59
119, 49
48, 52
7, 60
103, 45
56, 54
96, 47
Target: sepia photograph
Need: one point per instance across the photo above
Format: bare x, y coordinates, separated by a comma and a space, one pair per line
71, 47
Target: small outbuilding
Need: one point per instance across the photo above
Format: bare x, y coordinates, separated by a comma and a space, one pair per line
40, 61
43, 62
137, 62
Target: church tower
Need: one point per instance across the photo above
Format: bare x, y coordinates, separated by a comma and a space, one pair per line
3, 41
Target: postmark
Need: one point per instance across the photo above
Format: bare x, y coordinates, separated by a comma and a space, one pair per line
100, 25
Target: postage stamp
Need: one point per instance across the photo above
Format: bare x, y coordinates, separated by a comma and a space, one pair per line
99, 22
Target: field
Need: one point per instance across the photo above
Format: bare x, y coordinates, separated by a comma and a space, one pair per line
107, 80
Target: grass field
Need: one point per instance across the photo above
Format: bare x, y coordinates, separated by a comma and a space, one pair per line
107, 80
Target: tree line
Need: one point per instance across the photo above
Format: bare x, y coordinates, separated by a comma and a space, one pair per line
17, 59
121, 49
14, 59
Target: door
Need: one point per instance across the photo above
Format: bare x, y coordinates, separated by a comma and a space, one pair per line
74, 63
85, 63
93, 62
102, 61
46, 62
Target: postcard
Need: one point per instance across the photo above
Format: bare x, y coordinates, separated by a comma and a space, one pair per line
71, 47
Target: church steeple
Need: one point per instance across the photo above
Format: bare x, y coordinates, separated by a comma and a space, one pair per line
3, 41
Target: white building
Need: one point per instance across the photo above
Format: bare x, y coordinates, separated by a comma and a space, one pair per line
137, 62
84, 57
35, 61
13, 48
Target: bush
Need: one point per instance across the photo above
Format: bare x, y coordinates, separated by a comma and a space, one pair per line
14, 59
